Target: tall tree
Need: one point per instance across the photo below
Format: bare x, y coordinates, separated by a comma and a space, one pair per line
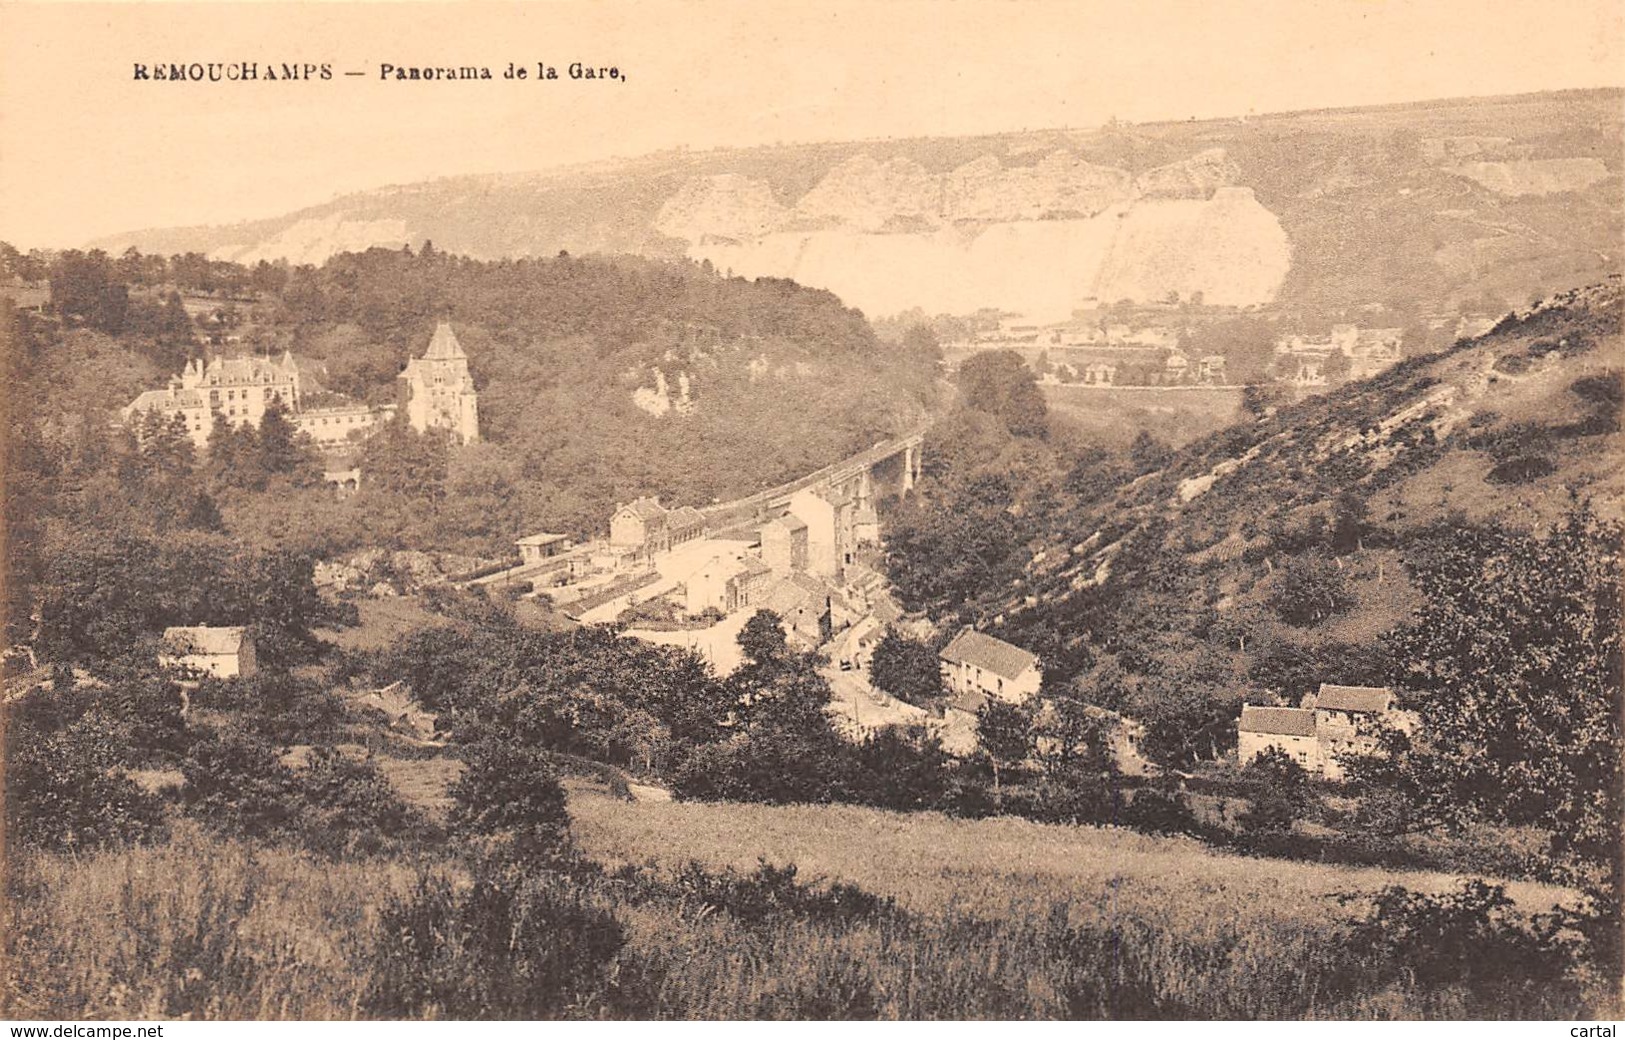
1005, 732
1000, 383
907, 669
1513, 664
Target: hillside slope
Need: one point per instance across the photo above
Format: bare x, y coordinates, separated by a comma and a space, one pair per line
1418, 206
1188, 561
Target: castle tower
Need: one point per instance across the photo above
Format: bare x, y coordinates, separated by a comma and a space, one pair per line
438, 393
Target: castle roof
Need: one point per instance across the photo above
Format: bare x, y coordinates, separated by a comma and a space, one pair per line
443, 346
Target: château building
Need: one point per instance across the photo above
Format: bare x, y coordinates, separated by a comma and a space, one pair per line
438, 393
239, 388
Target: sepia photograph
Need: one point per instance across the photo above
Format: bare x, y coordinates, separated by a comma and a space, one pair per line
816, 510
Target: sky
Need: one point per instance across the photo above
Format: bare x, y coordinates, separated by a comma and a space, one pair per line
87, 150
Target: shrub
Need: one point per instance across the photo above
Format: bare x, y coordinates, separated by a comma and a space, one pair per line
236, 783
350, 807
1159, 812
513, 946
1471, 938
769, 894
903, 768
509, 786
1280, 792
1521, 469
68, 791
1309, 590
907, 669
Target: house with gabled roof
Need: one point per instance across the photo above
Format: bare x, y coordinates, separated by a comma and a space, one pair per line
978, 664
1292, 730
784, 544
1334, 721
726, 584
639, 524
206, 650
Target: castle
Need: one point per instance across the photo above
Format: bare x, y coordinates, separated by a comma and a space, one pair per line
435, 390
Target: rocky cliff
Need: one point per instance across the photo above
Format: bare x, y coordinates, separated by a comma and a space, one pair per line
1419, 206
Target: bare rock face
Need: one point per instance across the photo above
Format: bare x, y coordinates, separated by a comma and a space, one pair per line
724, 206
313, 240
867, 195
1535, 176
1060, 186
1197, 177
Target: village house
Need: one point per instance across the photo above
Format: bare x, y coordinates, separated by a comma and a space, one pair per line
639, 524
1331, 722
855, 647
980, 665
804, 610
829, 516
538, 547
726, 584
203, 650
784, 545
645, 527
437, 391
1292, 730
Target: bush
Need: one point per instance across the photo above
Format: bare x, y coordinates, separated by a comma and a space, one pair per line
1521, 470
67, 790
769, 894
1309, 590
1159, 812
350, 807
1471, 938
509, 787
513, 946
907, 669
236, 784
1280, 792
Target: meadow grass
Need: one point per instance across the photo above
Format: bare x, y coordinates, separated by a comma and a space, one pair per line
997, 919
932, 862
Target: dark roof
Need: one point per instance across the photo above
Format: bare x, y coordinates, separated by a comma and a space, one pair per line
1354, 698
886, 609
752, 567
989, 654
1286, 722
970, 701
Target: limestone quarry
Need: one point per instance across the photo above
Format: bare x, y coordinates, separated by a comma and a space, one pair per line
889, 236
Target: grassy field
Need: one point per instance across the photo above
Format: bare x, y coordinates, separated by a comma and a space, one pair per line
930, 862
1000, 919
